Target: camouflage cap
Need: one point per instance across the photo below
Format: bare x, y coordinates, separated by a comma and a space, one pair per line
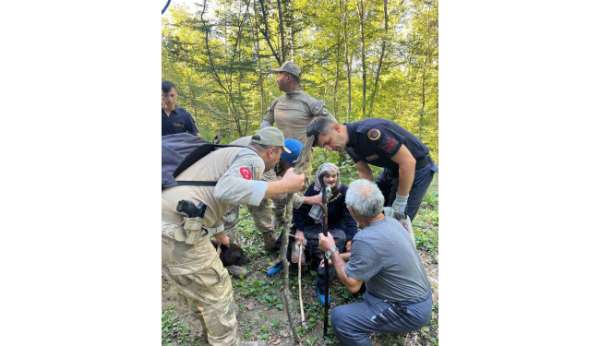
290, 68
270, 136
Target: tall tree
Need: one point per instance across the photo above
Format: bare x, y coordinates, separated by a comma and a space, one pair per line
360, 8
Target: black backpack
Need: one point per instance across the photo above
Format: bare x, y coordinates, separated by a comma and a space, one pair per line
180, 151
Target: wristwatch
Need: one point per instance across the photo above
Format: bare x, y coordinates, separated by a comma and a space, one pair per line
329, 253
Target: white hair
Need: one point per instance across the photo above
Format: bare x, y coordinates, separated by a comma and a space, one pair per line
364, 198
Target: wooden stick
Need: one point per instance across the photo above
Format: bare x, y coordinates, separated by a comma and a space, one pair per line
298, 169
301, 251
286, 282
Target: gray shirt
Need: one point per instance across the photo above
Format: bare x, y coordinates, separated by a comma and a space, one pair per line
384, 258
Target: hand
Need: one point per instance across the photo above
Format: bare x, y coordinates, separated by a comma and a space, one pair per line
322, 263
389, 211
312, 200
222, 239
349, 246
406, 223
299, 236
326, 243
399, 206
292, 181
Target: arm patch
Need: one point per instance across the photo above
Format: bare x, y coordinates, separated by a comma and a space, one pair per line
374, 134
246, 173
389, 145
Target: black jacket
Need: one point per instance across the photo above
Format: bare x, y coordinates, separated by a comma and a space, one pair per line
338, 215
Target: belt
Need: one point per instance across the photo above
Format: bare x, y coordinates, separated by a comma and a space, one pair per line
423, 162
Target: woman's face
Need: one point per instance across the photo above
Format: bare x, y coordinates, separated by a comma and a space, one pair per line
330, 179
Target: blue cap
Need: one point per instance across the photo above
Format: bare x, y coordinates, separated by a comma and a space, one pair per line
295, 147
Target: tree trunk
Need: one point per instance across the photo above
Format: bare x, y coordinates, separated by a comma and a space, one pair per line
283, 50
261, 88
422, 111
337, 75
381, 57
361, 20
289, 10
265, 32
348, 62
232, 109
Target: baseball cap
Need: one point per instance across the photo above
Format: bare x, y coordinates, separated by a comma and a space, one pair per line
295, 147
288, 67
271, 136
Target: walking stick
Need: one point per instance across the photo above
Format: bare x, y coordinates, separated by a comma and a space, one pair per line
300, 251
298, 169
325, 191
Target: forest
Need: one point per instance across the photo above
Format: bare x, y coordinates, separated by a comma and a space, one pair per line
364, 59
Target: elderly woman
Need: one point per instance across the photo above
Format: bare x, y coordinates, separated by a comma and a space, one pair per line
307, 220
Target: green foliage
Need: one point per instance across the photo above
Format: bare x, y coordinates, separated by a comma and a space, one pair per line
260, 310
426, 223
174, 330
220, 61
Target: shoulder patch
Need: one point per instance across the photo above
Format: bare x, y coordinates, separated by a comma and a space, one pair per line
374, 134
390, 144
246, 173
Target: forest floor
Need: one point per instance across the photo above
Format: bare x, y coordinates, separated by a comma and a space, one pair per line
261, 315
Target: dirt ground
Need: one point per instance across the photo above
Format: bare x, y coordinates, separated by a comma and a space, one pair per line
261, 316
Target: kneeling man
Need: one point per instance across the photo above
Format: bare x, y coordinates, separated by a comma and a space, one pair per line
398, 294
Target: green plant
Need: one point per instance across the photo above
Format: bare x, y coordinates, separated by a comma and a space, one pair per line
174, 331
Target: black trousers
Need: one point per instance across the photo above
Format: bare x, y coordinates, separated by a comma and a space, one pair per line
314, 255
388, 184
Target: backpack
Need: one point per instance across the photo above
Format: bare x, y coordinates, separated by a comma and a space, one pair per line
179, 152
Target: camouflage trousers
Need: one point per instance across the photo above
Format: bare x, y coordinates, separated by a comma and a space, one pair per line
198, 275
269, 215
262, 215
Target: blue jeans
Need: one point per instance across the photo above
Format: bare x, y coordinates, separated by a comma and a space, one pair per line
388, 184
354, 323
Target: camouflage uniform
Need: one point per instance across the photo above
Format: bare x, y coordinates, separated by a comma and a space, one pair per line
292, 113
263, 213
189, 259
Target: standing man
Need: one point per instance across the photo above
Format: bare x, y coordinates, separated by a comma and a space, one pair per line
190, 214
407, 167
291, 113
398, 294
174, 119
